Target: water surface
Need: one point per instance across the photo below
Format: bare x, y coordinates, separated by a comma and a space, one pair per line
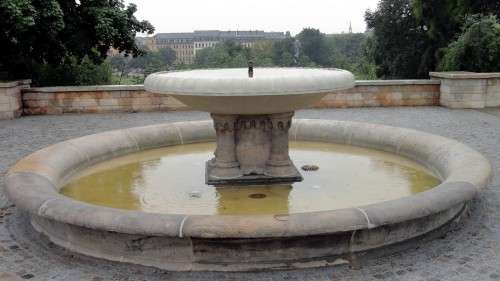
172, 180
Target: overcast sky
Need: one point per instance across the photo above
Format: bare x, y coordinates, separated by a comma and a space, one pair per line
330, 16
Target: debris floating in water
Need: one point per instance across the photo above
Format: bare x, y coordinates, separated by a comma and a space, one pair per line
310, 168
195, 194
257, 196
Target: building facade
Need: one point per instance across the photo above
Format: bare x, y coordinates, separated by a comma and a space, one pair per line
186, 45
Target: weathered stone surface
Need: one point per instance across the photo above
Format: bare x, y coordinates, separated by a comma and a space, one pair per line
10, 98
229, 243
103, 99
95, 99
468, 251
251, 149
468, 89
385, 93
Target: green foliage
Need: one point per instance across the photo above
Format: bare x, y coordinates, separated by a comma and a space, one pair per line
227, 54
262, 53
477, 49
346, 48
313, 45
485, 7
72, 72
353, 52
399, 41
283, 51
444, 21
53, 32
413, 37
348, 51
141, 66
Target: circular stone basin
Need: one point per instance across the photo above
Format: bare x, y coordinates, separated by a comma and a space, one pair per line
239, 242
349, 177
231, 91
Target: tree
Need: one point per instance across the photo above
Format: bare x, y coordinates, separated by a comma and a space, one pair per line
262, 53
57, 32
345, 49
226, 54
313, 45
477, 49
283, 52
72, 72
485, 7
167, 55
444, 20
147, 63
399, 41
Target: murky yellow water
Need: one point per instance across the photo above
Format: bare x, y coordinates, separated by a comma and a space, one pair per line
172, 180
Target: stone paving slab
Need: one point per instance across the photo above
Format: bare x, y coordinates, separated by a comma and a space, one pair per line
469, 251
491, 110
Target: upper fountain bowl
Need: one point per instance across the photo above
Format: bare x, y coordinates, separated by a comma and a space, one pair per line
232, 91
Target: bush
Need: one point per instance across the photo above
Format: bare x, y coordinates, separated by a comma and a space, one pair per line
71, 72
477, 49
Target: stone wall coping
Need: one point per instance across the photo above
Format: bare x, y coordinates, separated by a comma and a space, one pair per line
107, 88
396, 82
33, 183
464, 75
10, 84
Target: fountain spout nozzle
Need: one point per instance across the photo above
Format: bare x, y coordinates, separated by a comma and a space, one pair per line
250, 69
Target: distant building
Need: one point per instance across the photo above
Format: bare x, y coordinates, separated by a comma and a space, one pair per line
186, 45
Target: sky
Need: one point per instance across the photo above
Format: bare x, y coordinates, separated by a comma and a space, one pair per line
330, 16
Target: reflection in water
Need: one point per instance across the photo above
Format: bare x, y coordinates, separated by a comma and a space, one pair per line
171, 180
255, 200
113, 187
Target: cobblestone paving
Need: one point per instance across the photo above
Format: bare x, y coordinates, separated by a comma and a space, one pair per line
469, 251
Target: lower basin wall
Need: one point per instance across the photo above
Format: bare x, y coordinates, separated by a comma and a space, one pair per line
118, 98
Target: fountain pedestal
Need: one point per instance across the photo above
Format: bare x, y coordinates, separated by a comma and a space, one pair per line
252, 111
251, 149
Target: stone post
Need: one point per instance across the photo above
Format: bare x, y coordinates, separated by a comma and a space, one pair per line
279, 163
225, 165
468, 89
11, 105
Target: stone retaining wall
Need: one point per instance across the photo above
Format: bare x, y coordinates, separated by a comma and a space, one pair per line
95, 99
385, 93
101, 99
10, 98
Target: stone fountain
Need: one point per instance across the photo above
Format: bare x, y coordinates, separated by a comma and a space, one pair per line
252, 113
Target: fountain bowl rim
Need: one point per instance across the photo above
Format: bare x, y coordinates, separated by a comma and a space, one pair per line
332, 79
33, 183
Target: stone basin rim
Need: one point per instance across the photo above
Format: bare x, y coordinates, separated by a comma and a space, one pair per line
337, 80
33, 183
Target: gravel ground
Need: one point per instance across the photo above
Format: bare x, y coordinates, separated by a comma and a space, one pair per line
469, 251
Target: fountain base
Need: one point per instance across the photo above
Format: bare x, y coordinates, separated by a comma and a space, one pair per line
251, 149
252, 179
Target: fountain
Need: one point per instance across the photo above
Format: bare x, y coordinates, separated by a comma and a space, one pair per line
142, 195
252, 115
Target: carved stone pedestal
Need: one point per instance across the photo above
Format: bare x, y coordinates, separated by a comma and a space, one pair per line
251, 149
